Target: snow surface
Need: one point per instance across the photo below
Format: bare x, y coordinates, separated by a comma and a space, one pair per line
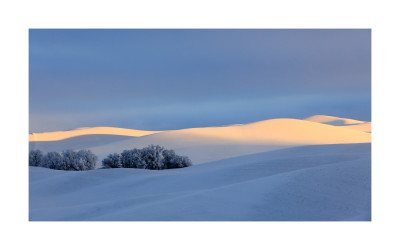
308, 183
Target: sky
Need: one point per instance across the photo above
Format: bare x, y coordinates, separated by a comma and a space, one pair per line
173, 79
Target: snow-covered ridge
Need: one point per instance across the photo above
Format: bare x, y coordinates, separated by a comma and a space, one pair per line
230, 131
215, 143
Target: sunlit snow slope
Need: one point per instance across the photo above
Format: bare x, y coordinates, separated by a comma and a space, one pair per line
214, 143
61, 135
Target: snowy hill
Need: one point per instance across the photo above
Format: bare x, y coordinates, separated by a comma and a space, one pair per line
321, 182
213, 143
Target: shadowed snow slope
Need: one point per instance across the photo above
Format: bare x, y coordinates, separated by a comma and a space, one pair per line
61, 135
331, 120
321, 182
77, 142
342, 122
215, 143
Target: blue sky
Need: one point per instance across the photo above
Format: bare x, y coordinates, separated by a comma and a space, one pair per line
171, 79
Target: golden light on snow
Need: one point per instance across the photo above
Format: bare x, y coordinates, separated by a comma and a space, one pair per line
61, 135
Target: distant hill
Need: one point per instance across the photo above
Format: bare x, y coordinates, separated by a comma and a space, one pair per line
213, 143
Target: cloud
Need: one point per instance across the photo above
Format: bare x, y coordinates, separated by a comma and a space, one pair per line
178, 78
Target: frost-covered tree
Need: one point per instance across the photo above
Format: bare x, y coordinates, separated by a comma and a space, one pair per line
182, 162
52, 160
132, 159
112, 161
127, 158
169, 156
86, 160
35, 157
172, 160
153, 157
70, 160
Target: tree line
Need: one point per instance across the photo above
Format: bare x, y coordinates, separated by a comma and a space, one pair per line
152, 157
67, 160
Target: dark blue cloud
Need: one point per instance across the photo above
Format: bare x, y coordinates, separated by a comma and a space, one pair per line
166, 79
